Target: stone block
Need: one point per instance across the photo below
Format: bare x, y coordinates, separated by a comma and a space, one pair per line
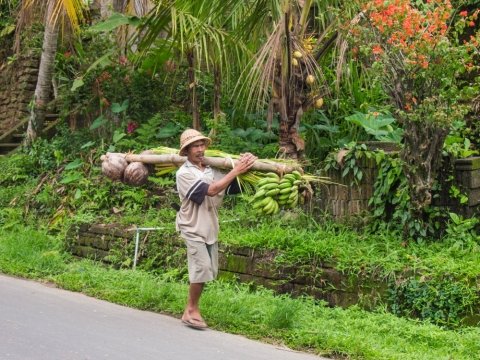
472, 163
357, 206
243, 251
236, 263
84, 239
361, 192
89, 252
112, 229
473, 197
468, 179
102, 242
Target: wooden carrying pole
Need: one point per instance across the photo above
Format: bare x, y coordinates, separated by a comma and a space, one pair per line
217, 162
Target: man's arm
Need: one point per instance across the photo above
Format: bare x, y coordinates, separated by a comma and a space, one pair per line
243, 165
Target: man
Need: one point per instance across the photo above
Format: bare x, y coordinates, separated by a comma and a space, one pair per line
201, 190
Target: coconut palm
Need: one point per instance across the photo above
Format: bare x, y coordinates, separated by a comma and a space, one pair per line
276, 30
56, 11
196, 32
286, 74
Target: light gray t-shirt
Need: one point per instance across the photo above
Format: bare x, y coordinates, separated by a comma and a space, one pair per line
197, 218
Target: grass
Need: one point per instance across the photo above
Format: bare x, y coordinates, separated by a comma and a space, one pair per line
352, 251
302, 323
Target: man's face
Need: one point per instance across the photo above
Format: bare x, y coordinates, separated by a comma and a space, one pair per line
196, 151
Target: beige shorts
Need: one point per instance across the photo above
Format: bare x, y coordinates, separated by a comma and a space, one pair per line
202, 261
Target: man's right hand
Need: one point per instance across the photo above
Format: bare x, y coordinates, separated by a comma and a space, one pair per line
245, 163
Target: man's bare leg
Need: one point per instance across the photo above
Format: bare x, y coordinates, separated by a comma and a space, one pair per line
192, 310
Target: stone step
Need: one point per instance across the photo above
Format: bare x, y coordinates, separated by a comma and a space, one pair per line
9, 145
5, 148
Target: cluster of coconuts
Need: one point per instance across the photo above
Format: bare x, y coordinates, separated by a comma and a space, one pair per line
309, 80
115, 167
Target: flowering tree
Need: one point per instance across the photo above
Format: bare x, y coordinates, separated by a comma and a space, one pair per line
414, 48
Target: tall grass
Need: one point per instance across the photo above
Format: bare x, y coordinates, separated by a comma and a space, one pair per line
301, 323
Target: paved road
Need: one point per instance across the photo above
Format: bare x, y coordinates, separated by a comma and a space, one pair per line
38, 322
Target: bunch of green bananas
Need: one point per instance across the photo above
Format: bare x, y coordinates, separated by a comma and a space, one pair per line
274, 192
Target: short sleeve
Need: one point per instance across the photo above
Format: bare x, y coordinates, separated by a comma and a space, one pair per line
191, 188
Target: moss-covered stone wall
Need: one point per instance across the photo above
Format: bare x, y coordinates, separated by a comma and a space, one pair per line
18, 79
323, 281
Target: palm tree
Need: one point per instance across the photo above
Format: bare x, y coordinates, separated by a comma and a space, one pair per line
286, 74
56, 10
276, 30
195, 32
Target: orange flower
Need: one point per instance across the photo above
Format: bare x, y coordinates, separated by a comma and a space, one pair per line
377, 50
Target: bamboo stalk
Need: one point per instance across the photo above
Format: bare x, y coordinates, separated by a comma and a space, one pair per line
217, 162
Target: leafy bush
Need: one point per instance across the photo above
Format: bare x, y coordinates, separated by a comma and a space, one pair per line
443, 302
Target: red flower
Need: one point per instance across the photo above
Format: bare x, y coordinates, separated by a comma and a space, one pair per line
131, 126
463, 13
122, 60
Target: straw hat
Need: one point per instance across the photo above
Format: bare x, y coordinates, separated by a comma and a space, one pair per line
190, 136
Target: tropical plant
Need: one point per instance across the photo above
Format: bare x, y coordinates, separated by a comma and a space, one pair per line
415, 50
286, 75
195, 32
56, 11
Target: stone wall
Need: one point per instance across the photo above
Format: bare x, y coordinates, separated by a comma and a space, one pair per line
347, 197
467, 176
17, 86
315, 278
320, 280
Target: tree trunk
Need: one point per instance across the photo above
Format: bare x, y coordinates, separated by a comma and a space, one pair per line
217, 162
105, 8
192, 87
217, 91
292, 96
45, 75
422, 156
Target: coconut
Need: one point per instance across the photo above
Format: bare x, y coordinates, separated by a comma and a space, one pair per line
113, 166
319, 103
297, 54
310, 79
136, 174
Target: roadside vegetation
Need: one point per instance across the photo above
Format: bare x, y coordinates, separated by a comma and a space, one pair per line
301, 323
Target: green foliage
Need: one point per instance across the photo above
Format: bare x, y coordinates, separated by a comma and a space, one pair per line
389, 186
258, 141
109, 95
17, 168
462, 234
162, 128
350, 164
457, 144
378, 125
320, 134
358, 91
443, 302
30, 253
7, 17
